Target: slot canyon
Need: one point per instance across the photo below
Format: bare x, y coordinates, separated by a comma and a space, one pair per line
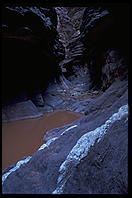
65, 98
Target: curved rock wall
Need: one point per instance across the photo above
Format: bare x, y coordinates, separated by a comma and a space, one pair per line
105, 33
31, 50
69, 29
90, 155
91, 36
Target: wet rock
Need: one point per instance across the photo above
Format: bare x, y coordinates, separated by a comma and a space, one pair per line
102, 172
57, 158
21, 110
88, 156
45, 109
52, 100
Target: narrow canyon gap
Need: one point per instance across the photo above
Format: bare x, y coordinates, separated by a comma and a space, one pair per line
65, 99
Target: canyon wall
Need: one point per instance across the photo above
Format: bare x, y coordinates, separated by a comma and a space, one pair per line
70, 19
90, 155
31, 50
96, 42
105, 35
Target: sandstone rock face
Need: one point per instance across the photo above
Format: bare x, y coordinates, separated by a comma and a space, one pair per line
102, 33
31, 49
69, 20
115, 66
90, 155
21, 110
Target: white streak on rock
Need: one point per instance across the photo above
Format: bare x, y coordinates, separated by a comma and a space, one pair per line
47, 143
80, 150
59, 190
53, 139
28, 158
42, 147
69, 129
15, 168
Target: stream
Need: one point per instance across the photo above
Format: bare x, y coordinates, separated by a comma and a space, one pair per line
24, 137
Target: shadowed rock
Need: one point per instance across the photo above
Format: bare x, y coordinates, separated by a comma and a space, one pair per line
21, 110
35, 176
101, 33
88, 156
31, 50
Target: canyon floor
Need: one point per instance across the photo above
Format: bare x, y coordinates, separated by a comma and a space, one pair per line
95, 109
65, 105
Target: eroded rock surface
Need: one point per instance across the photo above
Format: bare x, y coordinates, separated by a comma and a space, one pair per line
88, 156
69, 21
21, 110
35, 176
105, 42
31, 50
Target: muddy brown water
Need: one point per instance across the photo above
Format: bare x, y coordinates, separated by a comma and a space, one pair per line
23, 137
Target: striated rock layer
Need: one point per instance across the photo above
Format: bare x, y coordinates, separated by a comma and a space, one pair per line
87, 156
105, 35
90, 155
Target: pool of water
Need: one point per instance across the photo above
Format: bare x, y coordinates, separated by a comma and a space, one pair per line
23, 137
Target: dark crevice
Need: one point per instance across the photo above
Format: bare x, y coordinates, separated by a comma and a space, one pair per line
68, 59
